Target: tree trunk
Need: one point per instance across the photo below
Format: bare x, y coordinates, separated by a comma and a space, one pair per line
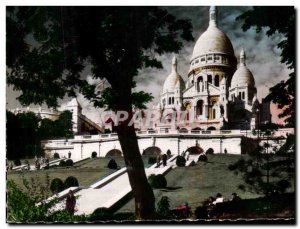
142, 191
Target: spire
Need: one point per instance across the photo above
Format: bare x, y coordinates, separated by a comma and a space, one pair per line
213, 16
174, 64
243, 58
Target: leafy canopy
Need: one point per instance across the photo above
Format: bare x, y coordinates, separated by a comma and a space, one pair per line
55, 44
278, 19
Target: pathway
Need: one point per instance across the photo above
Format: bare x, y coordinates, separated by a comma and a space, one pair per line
109, 191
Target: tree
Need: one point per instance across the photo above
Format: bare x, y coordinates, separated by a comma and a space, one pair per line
116, 41
281, 20
268, 169
22, 139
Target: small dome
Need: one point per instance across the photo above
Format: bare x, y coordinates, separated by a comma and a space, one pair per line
173, 78
243, 75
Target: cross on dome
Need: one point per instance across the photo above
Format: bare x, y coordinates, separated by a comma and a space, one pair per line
213, 16
243, 57
174, 63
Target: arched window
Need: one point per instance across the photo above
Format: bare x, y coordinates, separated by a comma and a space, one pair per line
243, 95
199, 109
200, 84
169, 100
213, 113
209, 79
217, 80
172, 100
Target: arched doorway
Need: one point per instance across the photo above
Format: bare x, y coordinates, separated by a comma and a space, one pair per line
183, 130
197, 128
209, 151
211, 128
152, 151
195, 150
114, 153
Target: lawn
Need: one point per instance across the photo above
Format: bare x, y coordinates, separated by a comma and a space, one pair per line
195, 184
87, 172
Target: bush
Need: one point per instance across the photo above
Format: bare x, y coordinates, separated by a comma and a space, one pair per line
151, 160
94, 154
17, 162
69, 162
56, 156
180, 161
282, 185
201, 213
157, 181
163, 207
202, 158
71, 182
241, 164
242, 187
101, 214
112, 164
57, 185
232, 167
209, 151
62, 163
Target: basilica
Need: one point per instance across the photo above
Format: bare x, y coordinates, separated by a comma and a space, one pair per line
220, 91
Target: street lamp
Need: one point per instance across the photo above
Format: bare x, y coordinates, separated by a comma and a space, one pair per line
258, 122
246, 126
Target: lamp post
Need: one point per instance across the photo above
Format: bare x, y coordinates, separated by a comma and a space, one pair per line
258, 123
221, 144
246, 126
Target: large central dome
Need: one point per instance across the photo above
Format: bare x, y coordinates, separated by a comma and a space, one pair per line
213, 40
213, 47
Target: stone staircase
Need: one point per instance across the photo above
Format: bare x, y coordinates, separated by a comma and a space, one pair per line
109, 191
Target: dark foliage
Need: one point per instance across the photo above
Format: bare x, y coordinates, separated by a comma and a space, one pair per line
31, 130
69, 162
201, 212
232, 167
62, 163
94, 154
157, 181
71, 182
112, 164
203, 158
101, 214
163, 208
151, 160
282, 185
17, 162
278, 19
57, 185
180, 161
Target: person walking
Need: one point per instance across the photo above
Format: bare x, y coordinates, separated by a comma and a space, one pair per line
158, 161
164, 159
70, 202
187, 155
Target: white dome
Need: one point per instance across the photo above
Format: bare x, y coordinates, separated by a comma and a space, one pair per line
173, 78
243, 76
213, 40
